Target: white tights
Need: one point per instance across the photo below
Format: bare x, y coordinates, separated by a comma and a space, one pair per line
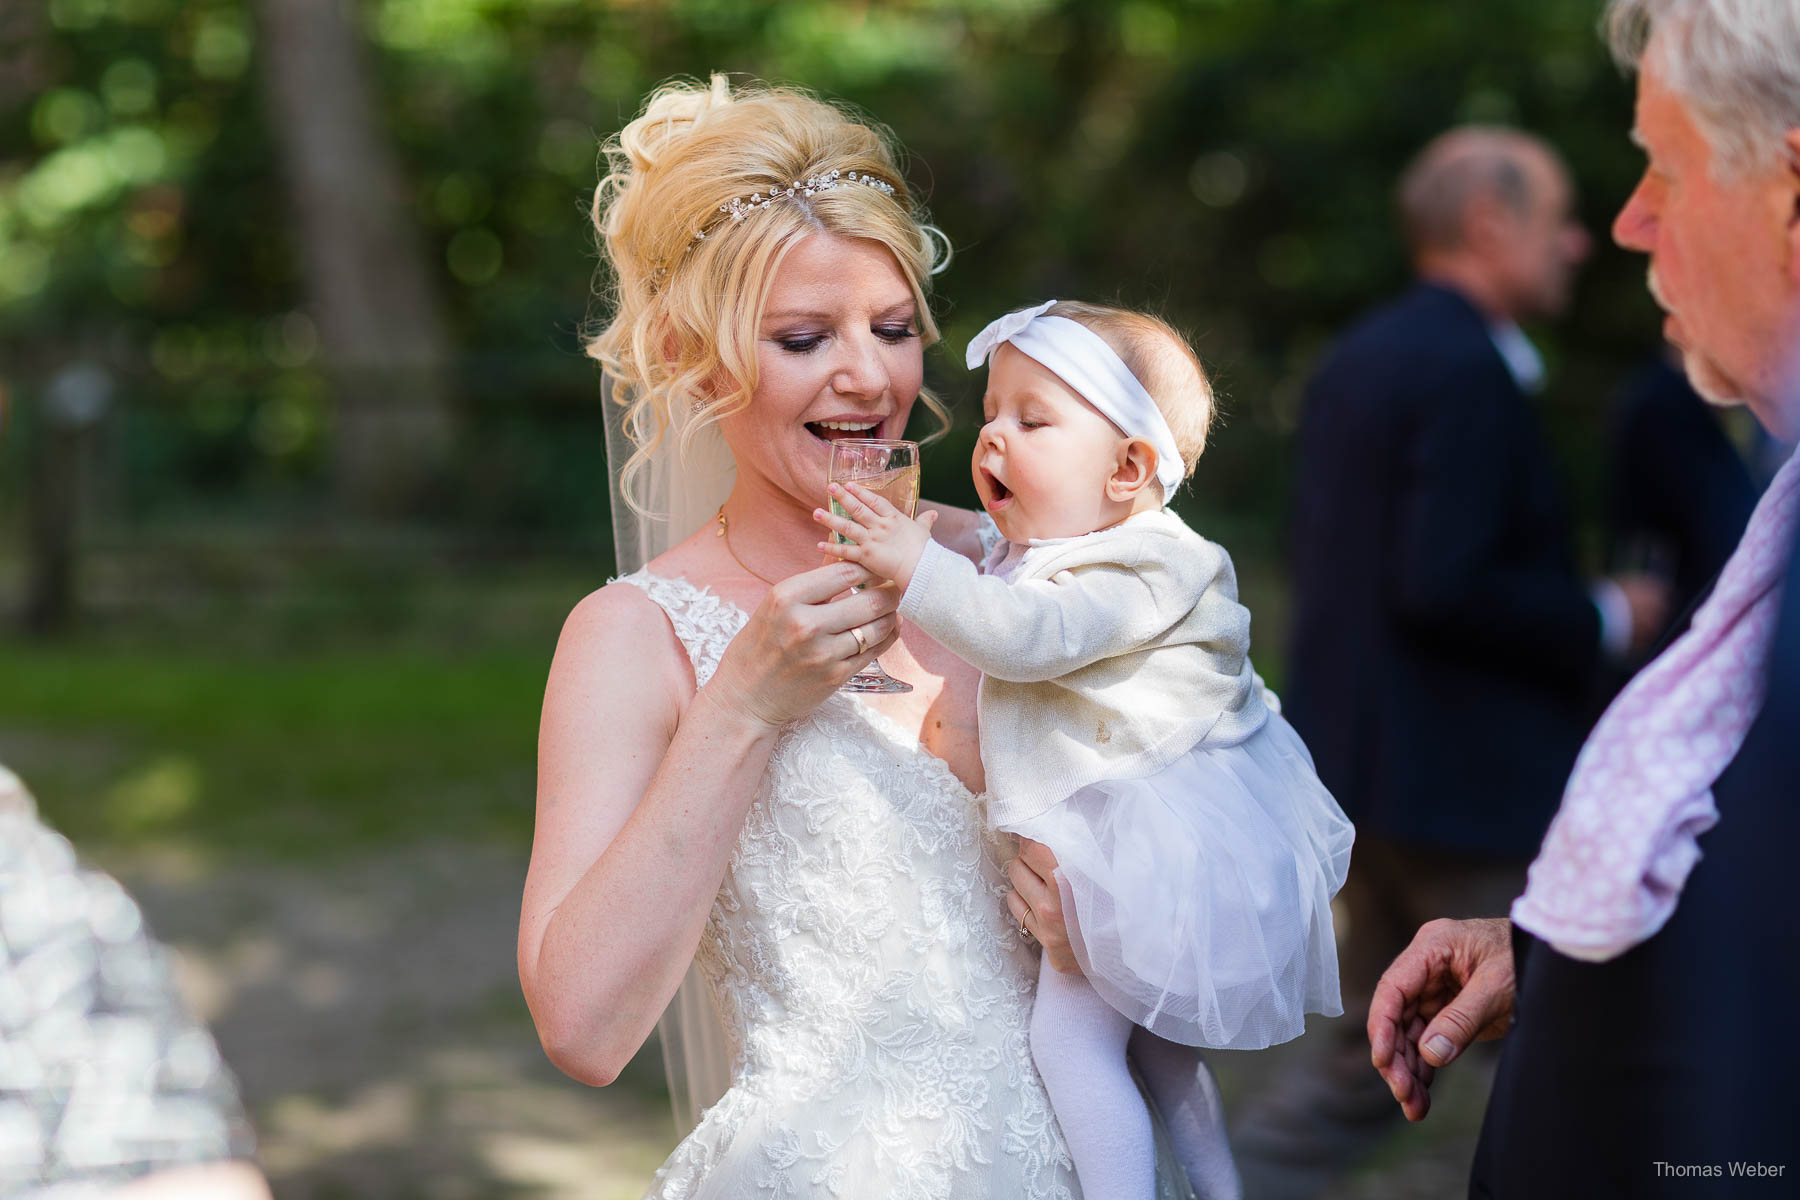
1079, 1043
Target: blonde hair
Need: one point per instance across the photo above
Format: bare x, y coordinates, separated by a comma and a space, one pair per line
686, 285
1163, 362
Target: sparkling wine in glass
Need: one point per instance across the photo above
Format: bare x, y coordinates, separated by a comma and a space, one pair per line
890, 469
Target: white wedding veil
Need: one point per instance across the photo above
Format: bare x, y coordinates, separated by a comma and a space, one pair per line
684, 482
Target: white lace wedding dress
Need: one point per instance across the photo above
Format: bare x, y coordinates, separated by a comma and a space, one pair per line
876, 997
875, 993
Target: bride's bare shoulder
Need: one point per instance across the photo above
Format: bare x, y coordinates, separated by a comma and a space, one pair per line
620, 627
619, 631
959, 529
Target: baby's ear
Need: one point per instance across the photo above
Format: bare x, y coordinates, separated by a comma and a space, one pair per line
1135, 472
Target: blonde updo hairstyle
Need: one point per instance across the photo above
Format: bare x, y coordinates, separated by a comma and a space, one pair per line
1163, 362
685, 284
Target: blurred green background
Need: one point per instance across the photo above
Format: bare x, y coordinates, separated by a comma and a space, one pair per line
302, 461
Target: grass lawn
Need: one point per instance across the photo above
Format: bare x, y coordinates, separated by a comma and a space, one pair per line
286, 754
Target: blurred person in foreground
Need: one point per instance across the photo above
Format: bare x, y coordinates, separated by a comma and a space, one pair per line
1650, 970
1445, 650
108, 1087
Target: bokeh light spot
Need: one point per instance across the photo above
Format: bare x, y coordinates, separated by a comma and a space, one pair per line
221, 47
570, 149
129, 87
290, 419
1219, 179
475, 256
64, 115
156, 795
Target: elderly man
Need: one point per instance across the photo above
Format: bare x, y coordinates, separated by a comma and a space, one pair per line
1446, 653
1651, 968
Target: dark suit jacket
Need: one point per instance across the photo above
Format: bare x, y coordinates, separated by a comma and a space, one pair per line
1444, 649
1682, 1050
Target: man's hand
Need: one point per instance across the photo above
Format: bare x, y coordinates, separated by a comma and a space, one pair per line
882, 538
1650, 598
1452, 986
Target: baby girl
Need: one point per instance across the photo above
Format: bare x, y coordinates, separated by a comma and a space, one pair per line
1123, 727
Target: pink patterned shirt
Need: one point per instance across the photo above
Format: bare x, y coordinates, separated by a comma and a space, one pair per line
1613, 864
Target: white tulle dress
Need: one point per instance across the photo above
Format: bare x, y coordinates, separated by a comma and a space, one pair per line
1202, 893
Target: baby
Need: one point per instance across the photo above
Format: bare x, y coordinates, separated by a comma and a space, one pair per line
1123, 727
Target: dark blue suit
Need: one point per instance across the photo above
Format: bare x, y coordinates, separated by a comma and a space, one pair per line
1682, 1050
1444, 649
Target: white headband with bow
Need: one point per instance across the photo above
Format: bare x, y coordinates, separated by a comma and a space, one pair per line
1082, 359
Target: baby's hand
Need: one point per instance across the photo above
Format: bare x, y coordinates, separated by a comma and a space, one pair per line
881, 538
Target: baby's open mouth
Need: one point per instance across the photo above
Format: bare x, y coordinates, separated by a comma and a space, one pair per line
996, 490
837, 431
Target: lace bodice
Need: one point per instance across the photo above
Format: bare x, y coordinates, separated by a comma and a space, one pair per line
876, 996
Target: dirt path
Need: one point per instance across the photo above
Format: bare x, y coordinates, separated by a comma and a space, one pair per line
376, 1027
374, 1019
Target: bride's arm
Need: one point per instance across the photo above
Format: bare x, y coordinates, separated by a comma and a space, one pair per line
622, 871
643, 784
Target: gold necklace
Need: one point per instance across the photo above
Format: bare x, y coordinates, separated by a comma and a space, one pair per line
734, 558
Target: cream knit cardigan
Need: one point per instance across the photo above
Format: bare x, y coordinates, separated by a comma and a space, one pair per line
1105, 656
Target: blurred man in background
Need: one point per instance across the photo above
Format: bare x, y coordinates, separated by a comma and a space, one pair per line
1445, 651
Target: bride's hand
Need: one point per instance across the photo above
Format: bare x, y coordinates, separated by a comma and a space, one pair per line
798, 646
1036, 903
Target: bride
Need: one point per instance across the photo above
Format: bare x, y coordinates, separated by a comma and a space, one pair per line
706, 795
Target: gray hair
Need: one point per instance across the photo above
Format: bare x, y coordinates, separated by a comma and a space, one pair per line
1736, 62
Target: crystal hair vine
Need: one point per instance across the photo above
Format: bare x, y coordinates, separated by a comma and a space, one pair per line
739, 207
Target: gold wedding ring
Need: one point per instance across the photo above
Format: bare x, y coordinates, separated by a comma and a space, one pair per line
862, 642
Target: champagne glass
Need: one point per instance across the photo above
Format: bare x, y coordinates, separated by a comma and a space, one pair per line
890, 469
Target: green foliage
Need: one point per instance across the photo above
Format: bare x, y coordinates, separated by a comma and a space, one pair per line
1227, 162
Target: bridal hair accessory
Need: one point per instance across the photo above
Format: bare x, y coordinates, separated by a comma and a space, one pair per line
1082, 359
739, 207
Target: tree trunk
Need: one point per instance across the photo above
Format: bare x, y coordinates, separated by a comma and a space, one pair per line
379, 326
55, 483
67, 409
